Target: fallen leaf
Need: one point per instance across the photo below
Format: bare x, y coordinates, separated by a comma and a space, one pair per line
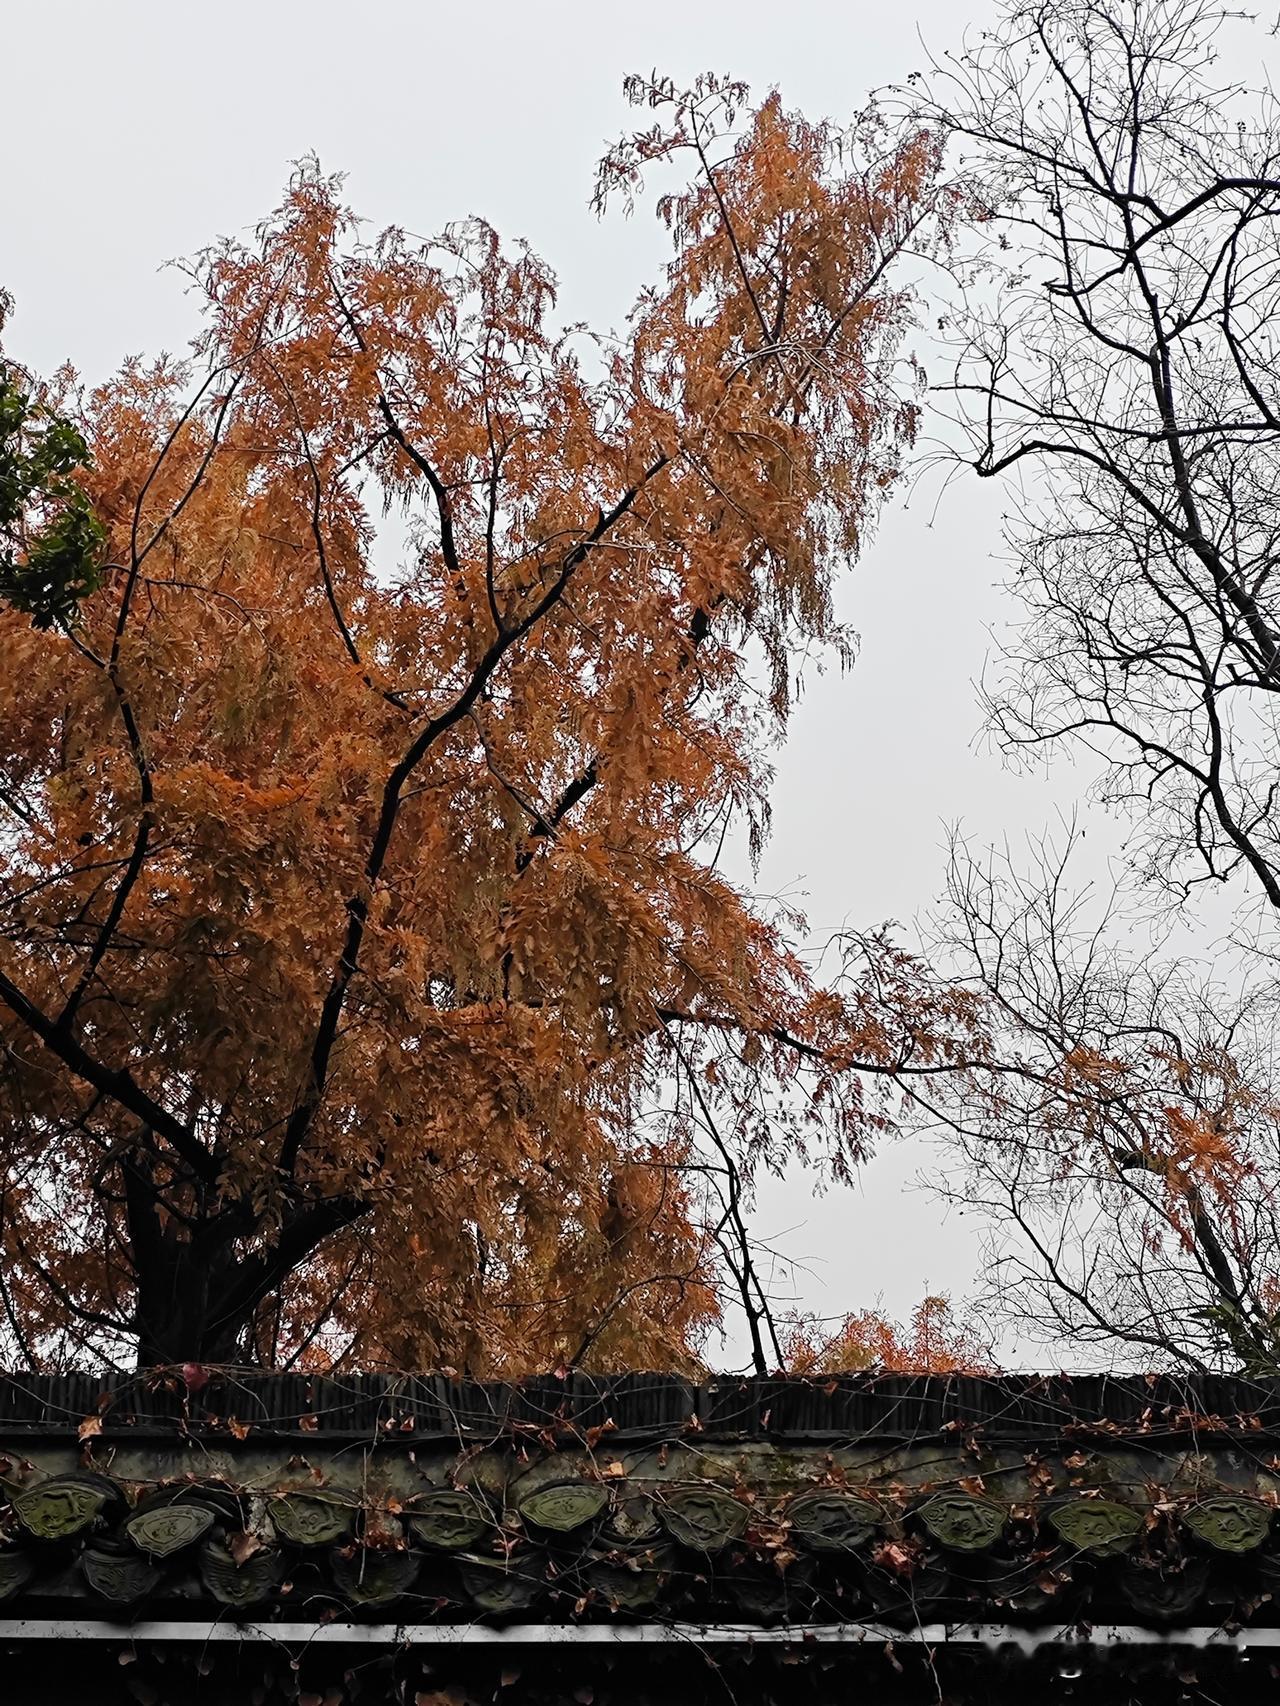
895, 1557
243, 1545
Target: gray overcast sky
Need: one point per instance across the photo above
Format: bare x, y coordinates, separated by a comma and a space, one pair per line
144, 129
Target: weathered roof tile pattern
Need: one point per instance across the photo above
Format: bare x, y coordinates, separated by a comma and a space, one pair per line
645, 1498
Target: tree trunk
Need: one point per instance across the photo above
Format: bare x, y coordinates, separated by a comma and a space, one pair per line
196, 1288
181, 1313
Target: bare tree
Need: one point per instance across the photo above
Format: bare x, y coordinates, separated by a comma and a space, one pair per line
1125, 376
1119, 367
1123, 1139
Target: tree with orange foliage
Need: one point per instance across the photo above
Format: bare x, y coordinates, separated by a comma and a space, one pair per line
933, 1343
356, 918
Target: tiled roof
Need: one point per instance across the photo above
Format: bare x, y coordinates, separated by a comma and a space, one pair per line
885, 1501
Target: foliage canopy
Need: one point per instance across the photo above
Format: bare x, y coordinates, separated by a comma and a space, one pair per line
50, 539
368, 987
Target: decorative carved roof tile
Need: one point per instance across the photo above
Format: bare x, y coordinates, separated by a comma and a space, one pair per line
863, 1501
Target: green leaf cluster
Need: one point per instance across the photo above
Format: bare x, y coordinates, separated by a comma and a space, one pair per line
51, 543
1250, 1337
